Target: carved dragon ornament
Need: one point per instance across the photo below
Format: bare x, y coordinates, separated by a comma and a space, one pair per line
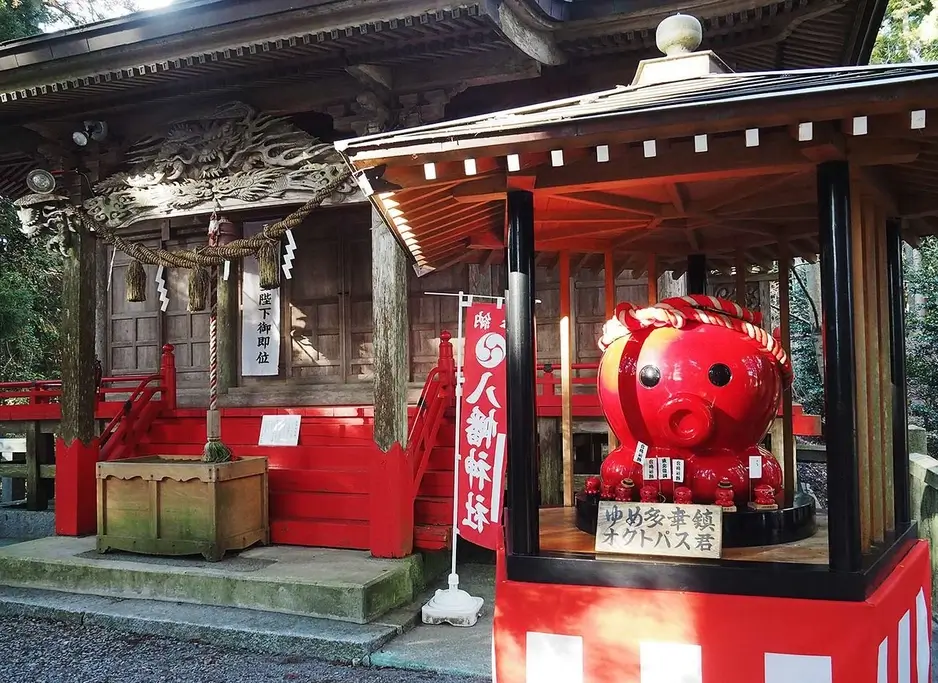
233, 158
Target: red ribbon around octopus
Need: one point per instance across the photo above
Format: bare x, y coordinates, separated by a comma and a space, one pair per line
694, 382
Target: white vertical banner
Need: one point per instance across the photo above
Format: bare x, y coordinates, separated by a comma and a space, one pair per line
260, 319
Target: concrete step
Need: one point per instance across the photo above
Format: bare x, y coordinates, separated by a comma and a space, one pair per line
343, 585
240, 629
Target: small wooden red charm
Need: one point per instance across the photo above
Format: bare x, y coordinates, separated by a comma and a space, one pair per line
725, 496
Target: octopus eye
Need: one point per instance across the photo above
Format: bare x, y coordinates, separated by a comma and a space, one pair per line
720, 375
649, 376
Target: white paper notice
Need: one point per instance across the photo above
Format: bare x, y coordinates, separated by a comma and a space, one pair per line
641, 450
755, 466
260, 320
677, 471
280, 430
664, 468
650, 469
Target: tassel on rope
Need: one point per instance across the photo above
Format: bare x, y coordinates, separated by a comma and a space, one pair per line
216, 451
136, 280
199, 284
268, 264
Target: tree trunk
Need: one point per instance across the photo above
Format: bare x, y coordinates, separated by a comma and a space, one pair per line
391, 347
811, 274
79, 284
551, 465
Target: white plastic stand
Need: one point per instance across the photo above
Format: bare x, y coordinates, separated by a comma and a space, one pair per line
452, 605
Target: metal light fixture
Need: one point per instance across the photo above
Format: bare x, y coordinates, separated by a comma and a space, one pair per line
93, 130
40, 181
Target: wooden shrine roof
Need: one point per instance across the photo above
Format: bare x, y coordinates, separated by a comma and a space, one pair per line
719, 164
220, 44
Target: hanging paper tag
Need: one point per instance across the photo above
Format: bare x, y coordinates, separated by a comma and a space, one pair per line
641, 450
677, 467
650, 469
226, 272
755, 466
664, 468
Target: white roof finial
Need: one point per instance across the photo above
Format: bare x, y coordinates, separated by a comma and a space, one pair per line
679, 34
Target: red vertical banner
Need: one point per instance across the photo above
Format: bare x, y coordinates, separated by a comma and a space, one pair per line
483, 429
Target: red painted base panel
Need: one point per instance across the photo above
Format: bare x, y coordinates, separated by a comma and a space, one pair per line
583, 634
76, 497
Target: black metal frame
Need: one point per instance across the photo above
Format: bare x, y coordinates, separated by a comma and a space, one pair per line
851, 575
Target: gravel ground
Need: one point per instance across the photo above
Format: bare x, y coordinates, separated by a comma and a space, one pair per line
46, 652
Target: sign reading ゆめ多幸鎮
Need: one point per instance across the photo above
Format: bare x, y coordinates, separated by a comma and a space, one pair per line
659, 529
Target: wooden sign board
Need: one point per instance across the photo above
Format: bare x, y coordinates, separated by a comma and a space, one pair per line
280, 430
659, 529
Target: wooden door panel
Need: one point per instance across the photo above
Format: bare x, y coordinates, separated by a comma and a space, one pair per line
315, 316
187, 331
134, 327
358, 306
429, 315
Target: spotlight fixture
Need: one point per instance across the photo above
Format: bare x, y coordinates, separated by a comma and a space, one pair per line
40, 181
93, 130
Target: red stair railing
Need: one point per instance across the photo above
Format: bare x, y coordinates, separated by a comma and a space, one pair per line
438, 395
34, 400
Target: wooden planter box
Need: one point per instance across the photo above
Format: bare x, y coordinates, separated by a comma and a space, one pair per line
165, 505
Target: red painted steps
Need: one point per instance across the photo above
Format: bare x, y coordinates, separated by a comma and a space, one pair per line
318, 490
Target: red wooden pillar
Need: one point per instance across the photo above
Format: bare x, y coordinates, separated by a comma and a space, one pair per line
168, 378
76, 487
78, 447
391, 506
392, 474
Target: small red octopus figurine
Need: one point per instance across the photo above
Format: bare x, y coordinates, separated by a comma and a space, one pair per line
648, 494
624, 490
693, 380
683, 495
764, 496
593, 485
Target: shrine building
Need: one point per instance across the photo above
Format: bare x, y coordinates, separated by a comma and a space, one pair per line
156, 121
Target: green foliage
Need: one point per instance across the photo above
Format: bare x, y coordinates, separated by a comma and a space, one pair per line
922, 338
30, 304
21, 18
808, 387
908, 33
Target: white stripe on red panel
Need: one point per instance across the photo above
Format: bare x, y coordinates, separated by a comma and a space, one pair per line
553, 659
905, 648
922, 638
882, 662
670, 663
781, 668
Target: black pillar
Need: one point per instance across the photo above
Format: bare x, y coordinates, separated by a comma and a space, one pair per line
900, 402
696, 274
833, 192
522, 428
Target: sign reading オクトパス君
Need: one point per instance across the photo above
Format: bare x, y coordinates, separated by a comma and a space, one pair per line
659, 529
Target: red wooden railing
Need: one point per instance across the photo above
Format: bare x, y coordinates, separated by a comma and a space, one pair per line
584, 399
128, 418
438, 395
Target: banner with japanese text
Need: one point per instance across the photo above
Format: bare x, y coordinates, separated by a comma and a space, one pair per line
483, 430
260, 319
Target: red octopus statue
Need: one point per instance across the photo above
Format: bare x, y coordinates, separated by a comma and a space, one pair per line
690, 387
